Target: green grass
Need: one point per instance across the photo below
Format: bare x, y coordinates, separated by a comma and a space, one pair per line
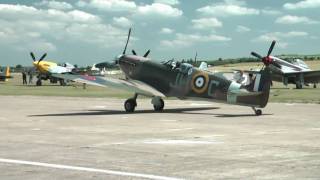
14, 87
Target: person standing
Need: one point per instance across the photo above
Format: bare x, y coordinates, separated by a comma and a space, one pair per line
24, 77
30, 77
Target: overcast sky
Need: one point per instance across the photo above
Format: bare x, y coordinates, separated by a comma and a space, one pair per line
83, 32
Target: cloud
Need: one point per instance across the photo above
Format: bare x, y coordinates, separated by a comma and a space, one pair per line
228, 8
122, 21
302, 5
269, 11
280, 37
109, 5
158, 9
169, 2
288, 19
25, 27
55, 5
242, 29
154, 10
185, 40
206, 23
166, 31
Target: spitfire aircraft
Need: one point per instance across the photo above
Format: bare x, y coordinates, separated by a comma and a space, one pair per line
5, 75
146, 77
296, 72
46, 68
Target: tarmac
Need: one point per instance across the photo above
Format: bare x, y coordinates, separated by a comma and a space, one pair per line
93, 138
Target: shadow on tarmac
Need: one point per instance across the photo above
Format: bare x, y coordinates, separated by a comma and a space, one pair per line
173, 111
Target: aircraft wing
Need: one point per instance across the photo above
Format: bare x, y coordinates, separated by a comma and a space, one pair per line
311, 76
128, 85
247, 71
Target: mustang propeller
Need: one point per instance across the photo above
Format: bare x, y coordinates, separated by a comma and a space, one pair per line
267, 60
34, 58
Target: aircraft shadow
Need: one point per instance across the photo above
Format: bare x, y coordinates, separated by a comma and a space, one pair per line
173, 110
116, 112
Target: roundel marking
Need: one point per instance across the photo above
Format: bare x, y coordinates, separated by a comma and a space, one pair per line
199, 82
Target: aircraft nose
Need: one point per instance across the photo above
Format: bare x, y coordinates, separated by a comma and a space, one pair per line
128, 59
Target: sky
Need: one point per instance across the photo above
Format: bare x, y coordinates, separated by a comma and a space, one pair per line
85, 32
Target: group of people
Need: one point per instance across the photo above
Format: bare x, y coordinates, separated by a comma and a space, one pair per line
24, 77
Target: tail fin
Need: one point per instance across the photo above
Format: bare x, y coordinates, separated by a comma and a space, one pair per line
8, 71
262, 84
7, 75
259, 90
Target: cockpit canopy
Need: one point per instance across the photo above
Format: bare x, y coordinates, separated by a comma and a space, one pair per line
176, 65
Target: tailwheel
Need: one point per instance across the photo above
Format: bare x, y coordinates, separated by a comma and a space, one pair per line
130, 105
158, 104
258, 112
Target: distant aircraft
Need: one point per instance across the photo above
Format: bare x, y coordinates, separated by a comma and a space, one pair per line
5, 75
175, 79
46, 68
297, 72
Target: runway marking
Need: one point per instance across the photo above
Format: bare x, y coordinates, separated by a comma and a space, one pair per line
78, 168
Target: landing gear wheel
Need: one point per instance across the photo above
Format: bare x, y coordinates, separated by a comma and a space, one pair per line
314, 85
159, 106
39, 83
130, 105
258, 112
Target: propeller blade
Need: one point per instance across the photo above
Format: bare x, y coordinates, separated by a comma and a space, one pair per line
134, 52
32, 56
256, 55
271, 47
43, 56
146, 54
125, 48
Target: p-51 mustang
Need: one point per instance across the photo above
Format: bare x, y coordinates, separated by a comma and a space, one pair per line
181, 80
46, 68
297, 72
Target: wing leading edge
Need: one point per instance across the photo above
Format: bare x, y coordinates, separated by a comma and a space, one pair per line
128, 85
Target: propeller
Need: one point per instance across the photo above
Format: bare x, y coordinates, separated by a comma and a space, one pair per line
34, 57
147, 53
125, 48
267, 60
133, 51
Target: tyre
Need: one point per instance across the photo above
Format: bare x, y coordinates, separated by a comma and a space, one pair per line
160, 106
258, 112
130, 105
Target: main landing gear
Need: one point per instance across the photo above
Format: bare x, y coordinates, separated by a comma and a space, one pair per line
258, 112
131, 104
